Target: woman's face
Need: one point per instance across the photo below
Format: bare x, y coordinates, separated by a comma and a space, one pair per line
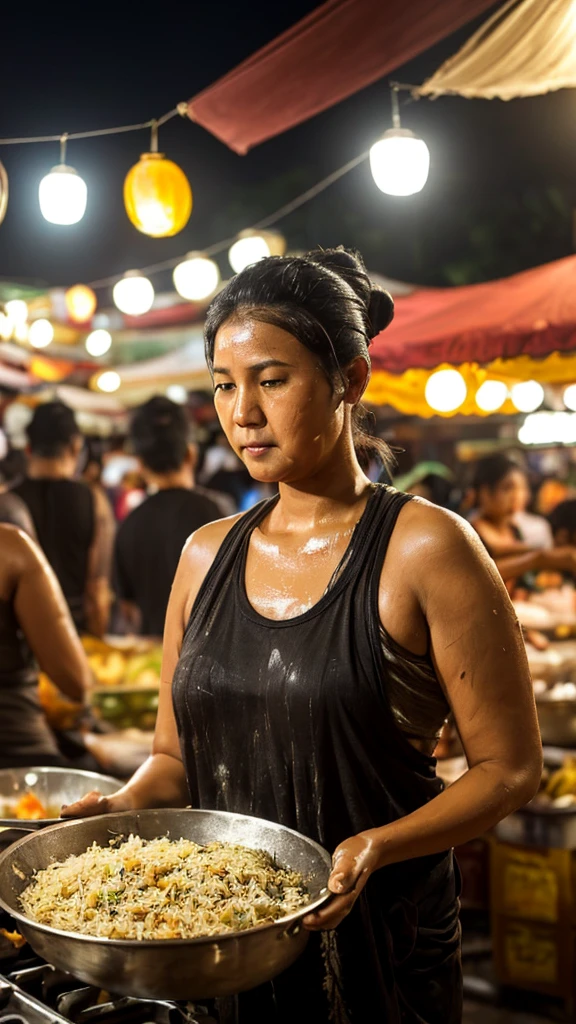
507, 497
274, 402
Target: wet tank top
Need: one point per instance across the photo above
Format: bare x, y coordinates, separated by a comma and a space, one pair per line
291, 721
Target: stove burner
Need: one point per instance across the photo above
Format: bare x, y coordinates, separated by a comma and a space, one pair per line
34, 992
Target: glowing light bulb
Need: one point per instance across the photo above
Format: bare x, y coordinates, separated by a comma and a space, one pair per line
98, 342
63, 196
40, 333
491, 395
108, 381
81, 303
445, 390
133, 294
570, 397
196, 277
252, 246
177, 393
527, 396
17, 311
400, 162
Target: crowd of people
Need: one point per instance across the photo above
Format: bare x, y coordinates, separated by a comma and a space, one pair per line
103, 558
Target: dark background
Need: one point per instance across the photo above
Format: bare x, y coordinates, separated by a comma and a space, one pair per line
499, 197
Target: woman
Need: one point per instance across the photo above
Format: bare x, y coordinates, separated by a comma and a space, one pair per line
500, 487
314, 647
35, 626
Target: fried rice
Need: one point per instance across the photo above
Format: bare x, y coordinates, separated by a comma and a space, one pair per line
162, 889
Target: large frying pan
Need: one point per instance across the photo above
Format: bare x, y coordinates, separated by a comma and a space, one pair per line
187, 969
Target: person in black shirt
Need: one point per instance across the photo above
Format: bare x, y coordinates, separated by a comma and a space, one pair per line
150, 540
67, 517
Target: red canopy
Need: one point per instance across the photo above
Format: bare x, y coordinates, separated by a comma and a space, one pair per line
533, 313
339, 48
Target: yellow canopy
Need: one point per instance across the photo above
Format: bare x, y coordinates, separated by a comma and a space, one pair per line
405, 391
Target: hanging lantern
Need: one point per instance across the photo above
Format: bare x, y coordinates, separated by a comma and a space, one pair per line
133, 294
445, 390
3, 192
491, 395
196, 278
81, 303
157, 194
399, 161
40, 333
253, 246
527, 396
63, 193
98, 342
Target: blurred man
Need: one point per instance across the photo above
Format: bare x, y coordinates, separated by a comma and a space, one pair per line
70, 521
150, 540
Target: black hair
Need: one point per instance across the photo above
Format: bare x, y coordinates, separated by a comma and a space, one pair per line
491, 470
52, 429
159, 435
324, 299
563, 517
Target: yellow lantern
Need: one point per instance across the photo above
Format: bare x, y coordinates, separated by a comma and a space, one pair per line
81, 303
157, 196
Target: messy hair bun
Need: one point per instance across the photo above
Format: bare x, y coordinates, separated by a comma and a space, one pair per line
349, 265
324, 299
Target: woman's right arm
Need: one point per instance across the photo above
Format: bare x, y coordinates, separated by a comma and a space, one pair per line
161, 780
45, 620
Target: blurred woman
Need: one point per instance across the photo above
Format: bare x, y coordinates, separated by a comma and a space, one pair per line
500, 488
35, 629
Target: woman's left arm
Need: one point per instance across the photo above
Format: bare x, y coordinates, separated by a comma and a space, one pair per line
480, 660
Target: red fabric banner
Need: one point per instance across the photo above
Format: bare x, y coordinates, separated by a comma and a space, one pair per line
532, 313
336, 50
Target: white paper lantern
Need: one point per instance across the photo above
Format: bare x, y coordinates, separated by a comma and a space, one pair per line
108, 381
527, 396
253, 246
491, 395
98, 342
133, 294
63, 196
445, 390
196, 278
400, 162
40, 333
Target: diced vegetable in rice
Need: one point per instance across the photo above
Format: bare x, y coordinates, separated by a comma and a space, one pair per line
162, 889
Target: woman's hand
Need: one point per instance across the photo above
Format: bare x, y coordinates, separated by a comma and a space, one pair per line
352, 864
94, 803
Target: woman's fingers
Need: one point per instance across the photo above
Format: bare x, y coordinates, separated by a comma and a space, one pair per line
331, 915
92, 803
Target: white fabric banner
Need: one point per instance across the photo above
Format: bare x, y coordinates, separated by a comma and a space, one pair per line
526, 48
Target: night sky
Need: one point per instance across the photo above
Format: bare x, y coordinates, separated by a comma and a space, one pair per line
501, 188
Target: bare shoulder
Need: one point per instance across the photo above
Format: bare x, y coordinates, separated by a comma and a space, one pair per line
18, 552
197, 557
426, 533
203, 545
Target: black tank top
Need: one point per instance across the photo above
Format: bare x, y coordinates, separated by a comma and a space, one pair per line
63, 514
25, 736
291, 721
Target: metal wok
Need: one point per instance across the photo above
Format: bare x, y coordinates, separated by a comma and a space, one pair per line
52, 786
185, 969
